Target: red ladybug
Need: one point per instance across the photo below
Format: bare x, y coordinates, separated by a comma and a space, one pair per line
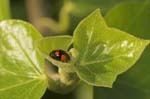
60, 55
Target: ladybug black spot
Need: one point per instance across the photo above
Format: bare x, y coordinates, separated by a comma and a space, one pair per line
60, 55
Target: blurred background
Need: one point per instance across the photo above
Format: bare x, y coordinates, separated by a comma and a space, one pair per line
59, 17
56, 17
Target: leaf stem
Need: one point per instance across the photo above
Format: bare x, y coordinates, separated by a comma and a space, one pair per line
4, 9
80, 91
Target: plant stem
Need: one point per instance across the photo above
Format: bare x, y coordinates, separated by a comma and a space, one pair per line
4, 9
84, 91
47, 24
61, 81
35, 11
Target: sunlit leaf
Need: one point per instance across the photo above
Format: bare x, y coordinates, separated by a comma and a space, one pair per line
104, 52
135, 83
21, 67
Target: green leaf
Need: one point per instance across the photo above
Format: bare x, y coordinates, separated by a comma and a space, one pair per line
131, 17
104, 52
21, 67
135, 83
49, 44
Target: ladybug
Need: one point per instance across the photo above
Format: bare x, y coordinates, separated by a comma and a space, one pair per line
60, 55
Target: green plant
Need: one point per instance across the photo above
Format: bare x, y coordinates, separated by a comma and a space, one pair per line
4, 9
98, 54
132, 17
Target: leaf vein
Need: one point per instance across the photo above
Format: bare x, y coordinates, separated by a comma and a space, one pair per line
89, 39
25, 53
17, 85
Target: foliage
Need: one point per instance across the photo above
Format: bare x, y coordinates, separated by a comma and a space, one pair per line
135, 83
21, 67
98, 53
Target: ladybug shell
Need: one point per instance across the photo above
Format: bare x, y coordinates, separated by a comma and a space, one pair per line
60, 55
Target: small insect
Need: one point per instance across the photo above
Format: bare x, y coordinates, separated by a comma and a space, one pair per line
60, 55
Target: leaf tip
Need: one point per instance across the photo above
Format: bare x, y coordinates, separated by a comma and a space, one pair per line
96, 12
146, 42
